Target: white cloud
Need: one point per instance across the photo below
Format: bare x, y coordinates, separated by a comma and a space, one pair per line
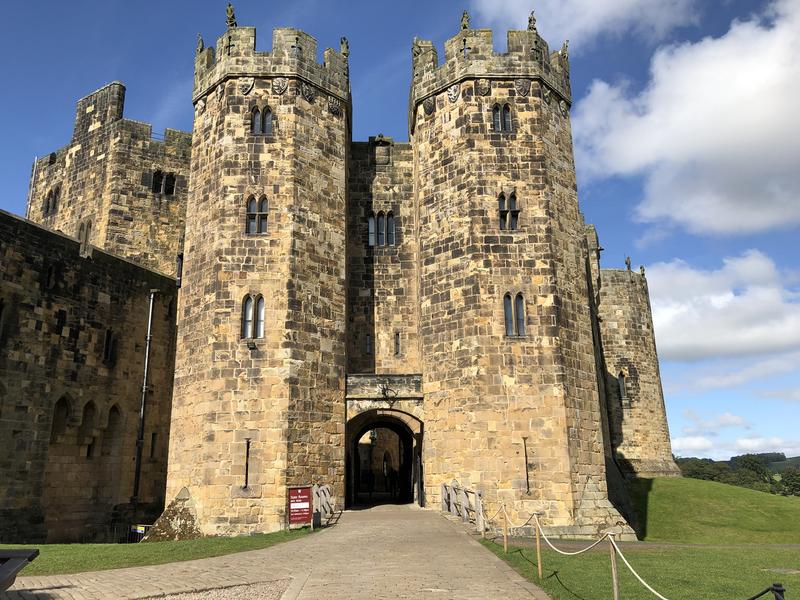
790, 395
711, 426
740, 309
696, 443
736, 374
581, 21
715, 132
768, 444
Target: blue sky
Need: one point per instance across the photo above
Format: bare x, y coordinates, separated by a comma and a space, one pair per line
687, 148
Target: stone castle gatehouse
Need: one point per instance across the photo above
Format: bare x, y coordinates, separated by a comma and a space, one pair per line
379, 316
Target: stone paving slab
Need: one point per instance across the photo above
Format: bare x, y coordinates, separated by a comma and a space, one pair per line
383, 552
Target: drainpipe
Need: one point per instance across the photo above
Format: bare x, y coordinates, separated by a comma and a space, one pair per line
140, 436
30, 187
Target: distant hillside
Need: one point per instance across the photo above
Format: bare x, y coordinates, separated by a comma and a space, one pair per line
781, 466
680, 509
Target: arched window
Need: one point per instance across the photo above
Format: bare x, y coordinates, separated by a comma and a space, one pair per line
46, 205
252, 216
519, 314
371, 228
260, 317
381, 229
169, 184
513, 212
623, 393
112, 436
255, 122
503, 210
266, 121
158, 182
496, 122
390, 229
263, 210
60, 418
247, 318
506, 118
81, 232
508, 313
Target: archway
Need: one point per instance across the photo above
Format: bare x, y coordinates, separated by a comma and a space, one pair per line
384, 458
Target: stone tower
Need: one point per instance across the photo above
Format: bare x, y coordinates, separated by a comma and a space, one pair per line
258, 406
637, 418
511, 409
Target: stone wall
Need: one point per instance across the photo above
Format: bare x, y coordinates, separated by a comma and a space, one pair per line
382, 298
638, 419
104, 177
283, 391
72, 338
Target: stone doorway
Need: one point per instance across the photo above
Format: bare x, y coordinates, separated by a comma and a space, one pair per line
384, 459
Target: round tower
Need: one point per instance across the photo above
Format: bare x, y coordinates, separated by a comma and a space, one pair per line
259, 386
511, 399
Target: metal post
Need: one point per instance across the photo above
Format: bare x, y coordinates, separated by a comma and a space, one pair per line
140, 436
614, 574
30, 187
527, 474
538, 547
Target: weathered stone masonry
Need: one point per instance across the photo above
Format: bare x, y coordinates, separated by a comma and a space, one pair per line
541, 401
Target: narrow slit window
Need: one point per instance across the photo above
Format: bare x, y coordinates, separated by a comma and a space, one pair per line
623, 393
371, 229
381, 229
153, 440
252, 216
260, 309
266, 122
390, 229
255, 123
368, 344
158, 182
508, 314
519, 313
397, 343
169, 184
506, 118
503, 211
263, 210
496, 124
247, 318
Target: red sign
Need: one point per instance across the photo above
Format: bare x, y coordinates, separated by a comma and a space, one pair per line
300, 505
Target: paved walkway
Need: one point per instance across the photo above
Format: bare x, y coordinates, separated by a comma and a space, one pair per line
383, 552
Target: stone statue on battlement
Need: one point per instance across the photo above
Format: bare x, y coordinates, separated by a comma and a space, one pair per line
231, 16
200, 44
465, 20
532, 21
344, 47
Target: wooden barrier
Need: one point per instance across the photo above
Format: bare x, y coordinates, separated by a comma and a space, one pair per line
463, 503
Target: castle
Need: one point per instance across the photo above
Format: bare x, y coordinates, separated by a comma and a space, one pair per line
206, 319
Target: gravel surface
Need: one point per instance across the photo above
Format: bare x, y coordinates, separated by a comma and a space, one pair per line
270, 590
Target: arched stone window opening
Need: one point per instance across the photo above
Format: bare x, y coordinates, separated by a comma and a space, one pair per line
371, 230
46, 204
506, 118
497, 124
257, 216
513, 212
519, 314
54, 201
158, 182
86, 431
508, 314
266, 121
381, 229
390, 234
247, 318
259, 317
61, 413
263, 214
502, 210
113, 432
255, 122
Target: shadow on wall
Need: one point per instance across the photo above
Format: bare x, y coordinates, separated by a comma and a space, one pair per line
639, 491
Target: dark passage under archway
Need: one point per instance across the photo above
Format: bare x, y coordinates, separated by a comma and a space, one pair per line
383, 460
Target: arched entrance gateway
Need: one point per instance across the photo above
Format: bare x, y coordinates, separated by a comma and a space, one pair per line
384, 458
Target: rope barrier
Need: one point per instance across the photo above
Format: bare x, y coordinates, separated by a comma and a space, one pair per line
564, 552
631, 569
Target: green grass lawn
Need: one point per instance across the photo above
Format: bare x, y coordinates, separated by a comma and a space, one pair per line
75, 558
715, 541
679, 509
677, 573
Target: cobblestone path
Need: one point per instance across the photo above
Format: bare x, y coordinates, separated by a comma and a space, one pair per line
383, 552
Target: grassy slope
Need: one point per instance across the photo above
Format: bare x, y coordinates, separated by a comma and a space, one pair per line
706, 512
75, 558
684, 511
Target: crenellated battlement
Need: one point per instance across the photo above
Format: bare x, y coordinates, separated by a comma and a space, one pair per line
293, 54
470, 55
